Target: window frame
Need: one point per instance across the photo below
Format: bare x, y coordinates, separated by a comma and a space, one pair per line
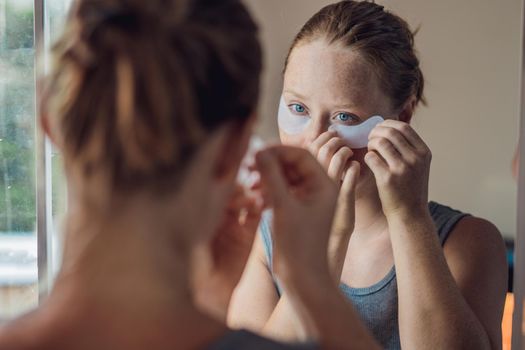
518, 327
43, 149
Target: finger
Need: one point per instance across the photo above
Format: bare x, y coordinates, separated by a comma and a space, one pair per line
327, 151
316, 145
253, 216
238, 198
386, 150
351, 178
396, 138
305, 168
410, 134
377, 165
339, 163
274, 183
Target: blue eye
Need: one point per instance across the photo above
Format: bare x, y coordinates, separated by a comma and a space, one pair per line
345, 117
298, 108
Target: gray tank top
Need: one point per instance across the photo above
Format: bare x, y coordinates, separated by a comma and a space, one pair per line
241, 340
377, 304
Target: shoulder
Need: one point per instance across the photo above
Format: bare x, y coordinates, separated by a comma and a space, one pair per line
472, 246
445, 219
23, 334
476, 234
476, 255
476, 244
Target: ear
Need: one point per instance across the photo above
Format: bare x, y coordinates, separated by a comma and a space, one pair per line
233, 149
45, 122
408, 110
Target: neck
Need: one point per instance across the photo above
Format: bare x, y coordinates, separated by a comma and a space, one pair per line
125, 251
370, 219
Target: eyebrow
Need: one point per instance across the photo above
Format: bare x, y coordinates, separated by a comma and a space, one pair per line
302, 97
296, 94
345, 106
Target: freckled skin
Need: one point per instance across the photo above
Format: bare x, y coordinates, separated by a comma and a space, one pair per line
328, 78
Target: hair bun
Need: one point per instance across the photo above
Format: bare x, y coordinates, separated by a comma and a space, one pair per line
126, 21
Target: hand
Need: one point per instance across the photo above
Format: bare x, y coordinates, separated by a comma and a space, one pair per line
335, 156
229, 251
303, 199
400, 161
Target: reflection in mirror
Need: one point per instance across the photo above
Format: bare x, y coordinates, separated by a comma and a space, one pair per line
472, 93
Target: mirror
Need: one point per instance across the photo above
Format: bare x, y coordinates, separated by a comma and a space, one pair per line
470, 55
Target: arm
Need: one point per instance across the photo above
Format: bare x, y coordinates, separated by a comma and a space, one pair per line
218, 267
274, 316
476, 256
304, 204
255, 292
452, 306
270, 315
446, 300
283, 324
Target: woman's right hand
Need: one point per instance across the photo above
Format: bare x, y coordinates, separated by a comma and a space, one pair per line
335, 156
303, 199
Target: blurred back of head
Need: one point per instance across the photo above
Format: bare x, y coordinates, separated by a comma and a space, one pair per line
136, 86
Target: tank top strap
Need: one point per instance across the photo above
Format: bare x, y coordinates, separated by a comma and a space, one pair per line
265, 232
445, 219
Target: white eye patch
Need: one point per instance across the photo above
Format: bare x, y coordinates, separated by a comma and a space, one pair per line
290, 123
356, 136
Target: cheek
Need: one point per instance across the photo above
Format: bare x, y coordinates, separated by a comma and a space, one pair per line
292, 140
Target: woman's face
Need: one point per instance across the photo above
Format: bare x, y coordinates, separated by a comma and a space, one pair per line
330, 84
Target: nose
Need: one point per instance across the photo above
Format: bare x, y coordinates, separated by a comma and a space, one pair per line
317, 127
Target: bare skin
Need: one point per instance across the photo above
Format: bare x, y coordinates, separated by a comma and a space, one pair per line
118, 280
441, 304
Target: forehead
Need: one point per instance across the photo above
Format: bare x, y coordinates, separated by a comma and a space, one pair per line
329, 72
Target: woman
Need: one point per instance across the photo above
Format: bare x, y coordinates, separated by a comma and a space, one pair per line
353, 61
151, 103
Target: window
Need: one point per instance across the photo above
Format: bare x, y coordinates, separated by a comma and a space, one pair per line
18, 258
55, 14
32, 194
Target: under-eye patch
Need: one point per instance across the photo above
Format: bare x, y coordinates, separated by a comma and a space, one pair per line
356, 136
290, 123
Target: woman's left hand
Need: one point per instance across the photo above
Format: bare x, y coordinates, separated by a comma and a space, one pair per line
400, 161
220, 265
